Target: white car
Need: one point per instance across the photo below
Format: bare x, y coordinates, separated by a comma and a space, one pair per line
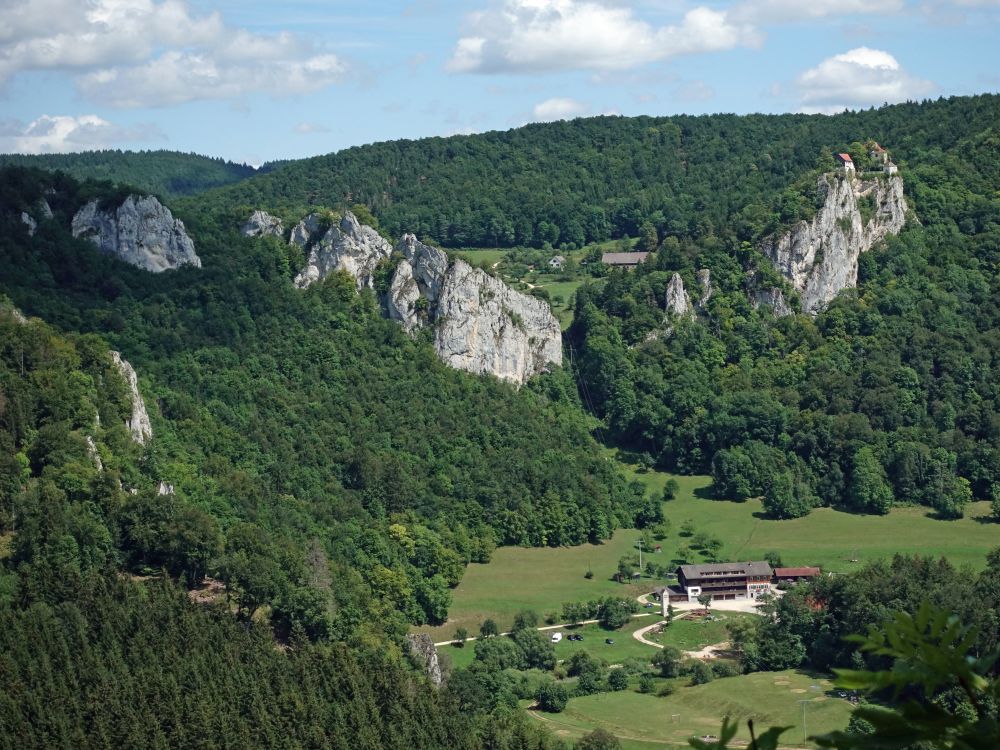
556, 637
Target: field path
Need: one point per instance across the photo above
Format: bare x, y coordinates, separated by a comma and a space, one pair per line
640, 634
544, 628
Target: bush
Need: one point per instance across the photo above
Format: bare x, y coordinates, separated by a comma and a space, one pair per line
647, 684
666, 689
700, 673
725, 669
599, 739
617, 680
552, 697
670, 489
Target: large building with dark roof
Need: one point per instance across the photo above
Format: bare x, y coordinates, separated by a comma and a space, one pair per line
729, 580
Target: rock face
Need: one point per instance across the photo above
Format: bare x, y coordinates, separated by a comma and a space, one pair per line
480, 324
303, 232
484, 326
423, 650
677, 300
138, 424
141, 231
29, 222
705, 282
350, 246
773, 298
820, 257
262, 224
94, 455
419, 276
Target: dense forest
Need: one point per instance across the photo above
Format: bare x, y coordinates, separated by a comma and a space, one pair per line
168, 174
330, 478
890, 395
592, 179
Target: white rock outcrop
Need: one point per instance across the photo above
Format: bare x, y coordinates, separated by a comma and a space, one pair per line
677, 300
262, 224
820, 257
421, 648
138, 424
304, 231
350, 246
141, 232
773, 298
705, 283
94, 455
484, 326
29, 222
419, 276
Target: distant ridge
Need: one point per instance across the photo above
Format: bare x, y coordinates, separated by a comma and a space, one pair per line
169, 174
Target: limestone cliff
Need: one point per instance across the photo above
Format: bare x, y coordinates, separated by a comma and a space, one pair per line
773, 298
677, 300
484, 326
138, 424
421, 648
141, 231
820, 257
262, 224
350, 246
419, 276
705, 282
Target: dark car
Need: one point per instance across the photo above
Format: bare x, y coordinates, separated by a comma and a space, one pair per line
610, 641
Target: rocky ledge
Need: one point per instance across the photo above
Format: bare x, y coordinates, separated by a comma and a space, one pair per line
141, 232
820, 257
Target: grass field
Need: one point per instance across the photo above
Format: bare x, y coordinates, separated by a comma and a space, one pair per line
542, 579
828, 538
647, 721
478, 256
694, 635
624, 646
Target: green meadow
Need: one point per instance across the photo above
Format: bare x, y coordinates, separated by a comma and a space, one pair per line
648, 721
542, 579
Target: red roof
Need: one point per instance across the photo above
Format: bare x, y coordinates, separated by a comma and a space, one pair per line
623, 259
796, 572
845, 157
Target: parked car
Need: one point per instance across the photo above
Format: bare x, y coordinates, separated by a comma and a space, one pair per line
556, 637
610, 641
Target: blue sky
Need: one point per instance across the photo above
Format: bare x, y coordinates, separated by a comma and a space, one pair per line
253, 81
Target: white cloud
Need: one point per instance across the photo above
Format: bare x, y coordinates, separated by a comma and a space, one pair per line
56, 134
129, 52
523, 36
694, 91
311, 128
860, 77
779, 11
558, 108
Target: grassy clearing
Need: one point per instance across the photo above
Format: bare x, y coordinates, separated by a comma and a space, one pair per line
831, 539
479, 256
542, 579
537, 579
694, 635
647, 721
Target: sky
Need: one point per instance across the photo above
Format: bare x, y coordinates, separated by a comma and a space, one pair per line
254, 81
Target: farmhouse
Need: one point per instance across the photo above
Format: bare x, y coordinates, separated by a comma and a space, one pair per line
623, 260
729, 580
556, 262
845, 161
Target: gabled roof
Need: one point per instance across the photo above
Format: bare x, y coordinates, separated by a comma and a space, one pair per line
623, 259
845, 158
877, 149
759, 568
796, 572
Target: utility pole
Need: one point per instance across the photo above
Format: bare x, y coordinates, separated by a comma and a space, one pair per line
804, 732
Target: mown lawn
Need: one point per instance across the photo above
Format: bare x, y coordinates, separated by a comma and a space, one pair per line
694, 635
648, 721
540, 579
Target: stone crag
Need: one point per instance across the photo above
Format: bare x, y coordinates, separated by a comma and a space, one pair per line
262, 224
141, 232
138, 423
421, 648
484, 326
480, 324
820, 257
349, 246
